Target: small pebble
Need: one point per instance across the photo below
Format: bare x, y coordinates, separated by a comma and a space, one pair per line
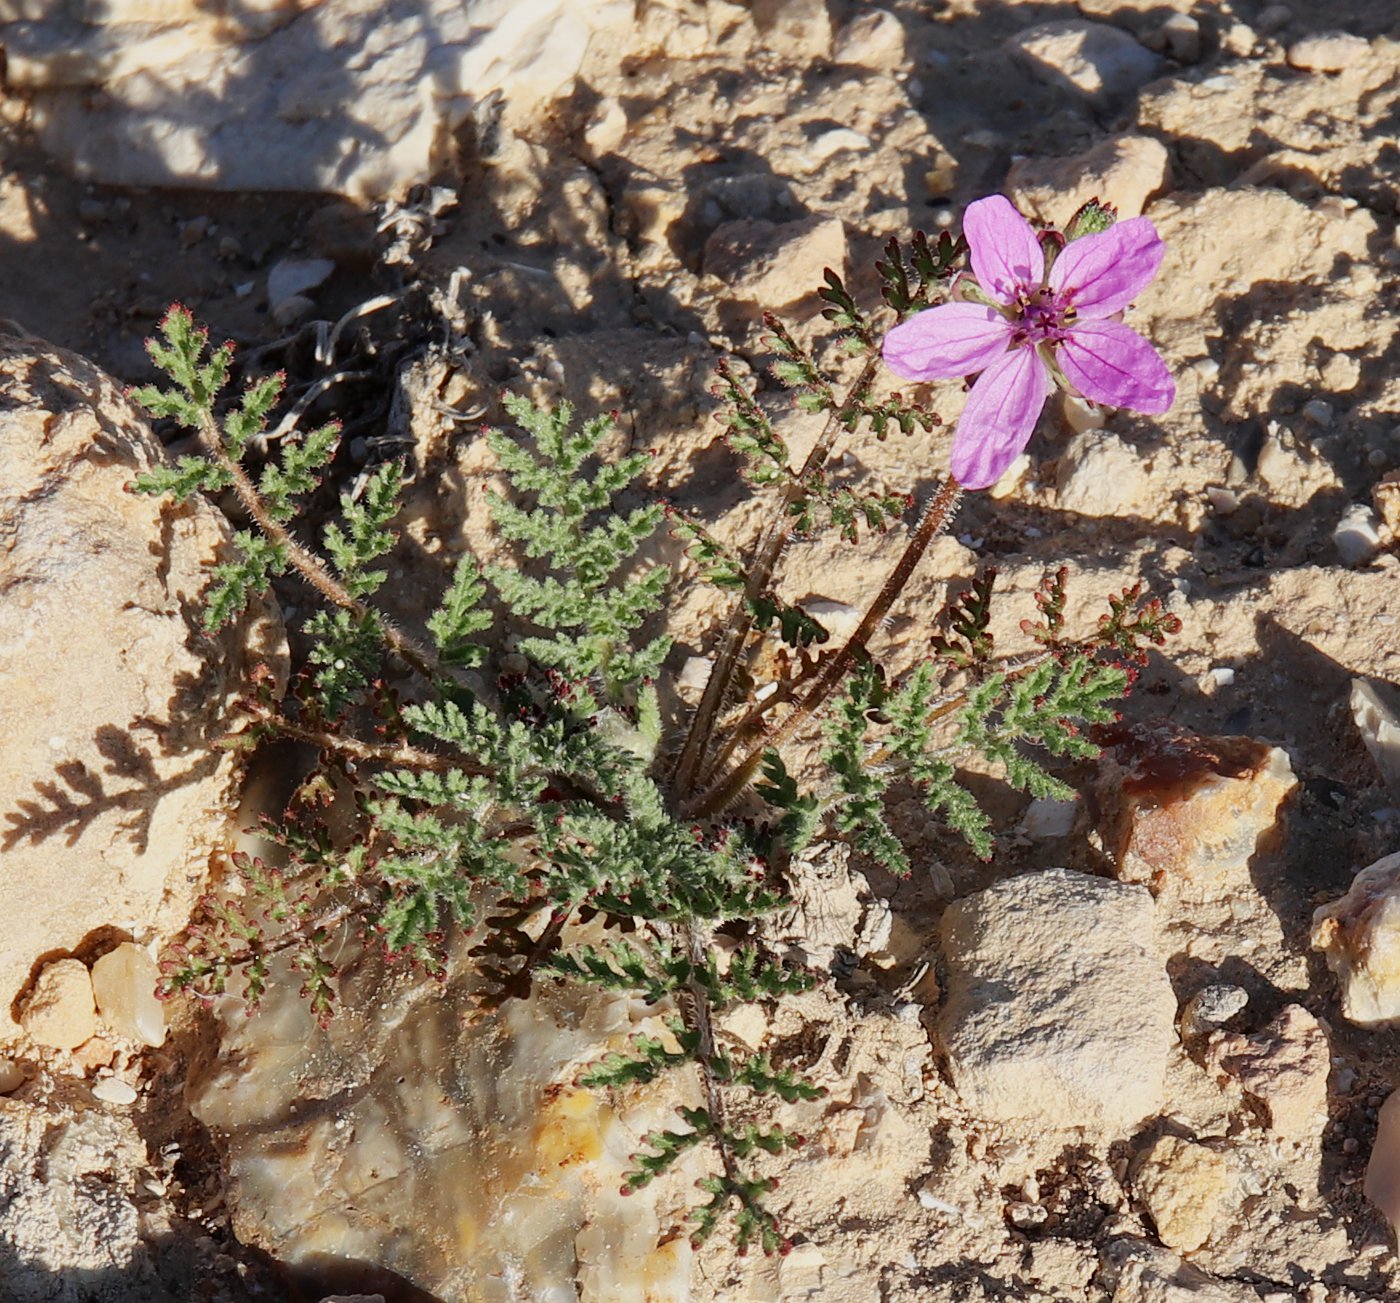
1211, 1006
1027, 1216
112, 1090
1318, 412
1357, 536
1275, 18
193, 231
1222, 501
11, 1076
1181, 37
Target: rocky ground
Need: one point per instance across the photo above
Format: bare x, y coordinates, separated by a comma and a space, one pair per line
1178, 1086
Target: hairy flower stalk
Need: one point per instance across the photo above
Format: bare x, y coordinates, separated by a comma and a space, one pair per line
935, 519
760, 575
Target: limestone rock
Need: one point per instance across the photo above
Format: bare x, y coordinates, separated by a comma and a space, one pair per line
1189, 1190
874, 38
359, 97
1328, 52
1385, 495
1285, 1067
1100, 475
1126, 171
1290, 473
59, 1012
1139, 1272
796, 27
69, 1215
112, 792
1360, 937
1136, 15
1058, 1006
775, 264
1101, 64
1186, 814
124, 981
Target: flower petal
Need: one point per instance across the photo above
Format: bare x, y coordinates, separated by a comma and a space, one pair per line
1109, 363
1003, 249
954, 339
1103, 273
999, 417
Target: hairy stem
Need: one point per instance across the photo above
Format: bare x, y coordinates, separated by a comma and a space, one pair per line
309, 566
400, 756
724, 789
766, 557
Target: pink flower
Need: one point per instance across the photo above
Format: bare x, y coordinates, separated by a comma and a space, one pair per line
1061, 324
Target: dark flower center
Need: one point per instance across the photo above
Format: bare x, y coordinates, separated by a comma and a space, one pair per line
1043, 317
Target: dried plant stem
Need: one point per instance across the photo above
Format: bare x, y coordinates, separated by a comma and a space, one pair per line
309, 566
935, 519
760, 574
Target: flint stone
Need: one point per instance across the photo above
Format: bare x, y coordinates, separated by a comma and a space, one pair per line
1187, 814
112, 793
1360, 937
1058, 1007
1097, 62
358, 97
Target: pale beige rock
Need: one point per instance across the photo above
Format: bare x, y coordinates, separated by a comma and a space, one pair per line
1328, 51
1360, 937
1139, 1272
1290, 473
124, 981
1385, 494
775, 264
873, 38
1188, 1189
1100, 475
1058, 1008
796, 27
1285, 1067
1101, 63
1126, 171
1186, 814
59, 1011
359, 97
111, 791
